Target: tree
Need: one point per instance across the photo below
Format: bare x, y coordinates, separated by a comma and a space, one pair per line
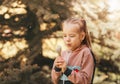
20, 22
103, 32
25, 23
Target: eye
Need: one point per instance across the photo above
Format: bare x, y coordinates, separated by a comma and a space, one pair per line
64, 36
72, 35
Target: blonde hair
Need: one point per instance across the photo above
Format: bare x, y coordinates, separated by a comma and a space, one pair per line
82, 26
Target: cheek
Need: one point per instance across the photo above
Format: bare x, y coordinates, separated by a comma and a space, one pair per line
64, 39
78, 40
80, 37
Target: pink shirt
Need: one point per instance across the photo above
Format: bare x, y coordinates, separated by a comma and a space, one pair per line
81, 57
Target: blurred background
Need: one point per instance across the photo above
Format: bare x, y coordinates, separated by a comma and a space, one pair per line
30, 32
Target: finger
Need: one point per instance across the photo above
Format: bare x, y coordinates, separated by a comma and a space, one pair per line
59, 58
58, 64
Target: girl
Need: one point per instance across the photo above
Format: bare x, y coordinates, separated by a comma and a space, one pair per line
75, 65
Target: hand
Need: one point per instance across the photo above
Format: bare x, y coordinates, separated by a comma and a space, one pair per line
60, 63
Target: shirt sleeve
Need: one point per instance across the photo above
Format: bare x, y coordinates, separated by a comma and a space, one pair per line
83, 76
55, 75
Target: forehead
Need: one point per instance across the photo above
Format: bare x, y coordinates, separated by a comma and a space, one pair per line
71, 27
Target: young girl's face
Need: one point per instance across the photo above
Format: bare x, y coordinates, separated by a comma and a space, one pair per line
72, 36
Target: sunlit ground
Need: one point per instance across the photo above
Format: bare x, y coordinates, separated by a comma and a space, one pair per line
50, 45
10, 48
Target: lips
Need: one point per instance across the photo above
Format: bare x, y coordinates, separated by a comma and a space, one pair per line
68, 44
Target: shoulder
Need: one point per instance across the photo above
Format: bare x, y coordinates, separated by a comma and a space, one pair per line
87, 52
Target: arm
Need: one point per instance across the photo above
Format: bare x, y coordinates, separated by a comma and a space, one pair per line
84, 76
55, 74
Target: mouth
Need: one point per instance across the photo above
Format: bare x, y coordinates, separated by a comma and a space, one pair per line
68, 45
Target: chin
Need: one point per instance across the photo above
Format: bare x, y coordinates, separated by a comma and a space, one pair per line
70, 49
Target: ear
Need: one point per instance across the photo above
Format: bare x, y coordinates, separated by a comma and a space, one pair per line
82, 35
